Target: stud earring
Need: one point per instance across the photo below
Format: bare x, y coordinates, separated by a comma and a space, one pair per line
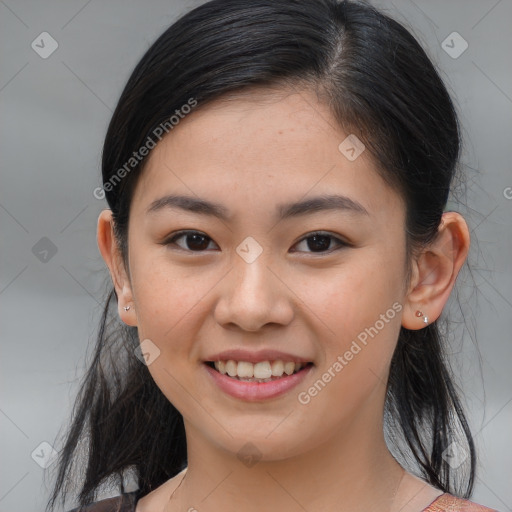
425, 317
126, 308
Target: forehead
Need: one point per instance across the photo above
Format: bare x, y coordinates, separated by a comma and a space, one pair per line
263, 147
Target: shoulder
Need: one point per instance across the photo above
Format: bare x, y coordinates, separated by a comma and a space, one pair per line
159, 497
124, 503
449, 503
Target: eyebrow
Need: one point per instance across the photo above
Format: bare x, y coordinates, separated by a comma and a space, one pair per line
284, 211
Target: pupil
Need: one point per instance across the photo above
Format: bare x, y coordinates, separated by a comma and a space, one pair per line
319, 246
196, 243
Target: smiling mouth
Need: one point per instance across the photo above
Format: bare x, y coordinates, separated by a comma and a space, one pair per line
264, 371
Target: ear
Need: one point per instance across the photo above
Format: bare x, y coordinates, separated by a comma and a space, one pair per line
112, 256
435, 270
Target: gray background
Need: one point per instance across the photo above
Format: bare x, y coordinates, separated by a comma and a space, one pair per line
54, 114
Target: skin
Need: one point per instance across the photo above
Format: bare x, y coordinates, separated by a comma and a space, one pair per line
251, 153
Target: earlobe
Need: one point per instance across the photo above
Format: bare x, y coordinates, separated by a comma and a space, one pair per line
415, 319
126, 317
436, 269
419, 314
112, 257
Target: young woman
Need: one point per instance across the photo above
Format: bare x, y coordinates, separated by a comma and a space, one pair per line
277, 173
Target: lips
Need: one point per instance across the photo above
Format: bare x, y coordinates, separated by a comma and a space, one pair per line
256, 375
257, 391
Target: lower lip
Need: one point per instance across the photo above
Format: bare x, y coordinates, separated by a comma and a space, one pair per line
257, 391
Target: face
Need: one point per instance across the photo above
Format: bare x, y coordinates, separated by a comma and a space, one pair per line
323, 286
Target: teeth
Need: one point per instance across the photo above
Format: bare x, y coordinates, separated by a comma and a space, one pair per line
221, 367
277, 368
263, 370
231, 368
289, 368
246, 370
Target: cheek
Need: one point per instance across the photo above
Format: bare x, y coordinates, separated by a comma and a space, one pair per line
363, 312
352, 297
167, 294
171, 302
361, 307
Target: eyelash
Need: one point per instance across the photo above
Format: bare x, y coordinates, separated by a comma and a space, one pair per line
341, 243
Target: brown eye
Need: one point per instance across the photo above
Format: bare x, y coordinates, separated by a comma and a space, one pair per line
194, 241
321, 242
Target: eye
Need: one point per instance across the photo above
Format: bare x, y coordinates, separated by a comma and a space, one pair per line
195, 241
321, 241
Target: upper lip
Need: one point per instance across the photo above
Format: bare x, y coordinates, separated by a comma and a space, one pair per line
256, 356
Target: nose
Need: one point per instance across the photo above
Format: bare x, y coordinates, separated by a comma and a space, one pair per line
253, 295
